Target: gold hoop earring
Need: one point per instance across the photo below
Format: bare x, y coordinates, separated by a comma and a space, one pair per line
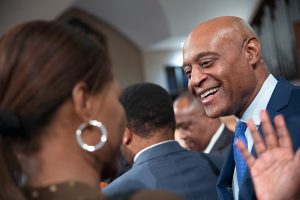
102, 130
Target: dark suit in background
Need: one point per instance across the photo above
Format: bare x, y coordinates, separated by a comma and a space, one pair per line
222, 145
170, 167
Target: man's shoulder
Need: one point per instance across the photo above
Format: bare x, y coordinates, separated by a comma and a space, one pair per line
128, 181
285, 98
290, 110
287, 85
188, 159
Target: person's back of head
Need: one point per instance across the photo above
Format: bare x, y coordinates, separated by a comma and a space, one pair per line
44, 65
148, 108
150, 117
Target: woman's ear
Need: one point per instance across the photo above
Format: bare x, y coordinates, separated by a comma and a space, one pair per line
253, 50
81, 100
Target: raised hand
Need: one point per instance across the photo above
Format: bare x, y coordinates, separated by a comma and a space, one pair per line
276, 170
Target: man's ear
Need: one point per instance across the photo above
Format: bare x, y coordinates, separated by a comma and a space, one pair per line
81, 100
253, 50
127, 137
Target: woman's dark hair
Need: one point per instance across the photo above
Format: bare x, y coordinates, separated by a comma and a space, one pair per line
40, 63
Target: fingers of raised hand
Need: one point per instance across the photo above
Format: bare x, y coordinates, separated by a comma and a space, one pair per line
271, 138
258, 143
282, 131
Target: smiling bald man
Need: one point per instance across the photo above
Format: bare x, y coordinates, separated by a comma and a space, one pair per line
227, 74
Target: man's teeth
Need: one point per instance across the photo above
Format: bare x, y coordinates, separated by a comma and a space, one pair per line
209, 92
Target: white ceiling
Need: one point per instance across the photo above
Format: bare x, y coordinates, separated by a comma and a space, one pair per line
163, 24
150, 24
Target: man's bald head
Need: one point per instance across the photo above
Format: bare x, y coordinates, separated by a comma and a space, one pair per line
187, 101
222, 60
226, 26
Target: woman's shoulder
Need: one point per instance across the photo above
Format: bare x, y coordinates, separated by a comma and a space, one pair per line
79, 191
67, 190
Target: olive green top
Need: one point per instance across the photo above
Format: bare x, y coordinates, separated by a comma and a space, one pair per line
64, 191
78, 191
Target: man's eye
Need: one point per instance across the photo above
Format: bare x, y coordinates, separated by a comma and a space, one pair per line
187, 71
206, 63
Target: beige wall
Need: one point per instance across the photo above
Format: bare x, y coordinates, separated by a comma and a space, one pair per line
13, 12
126, 57
230, 122
155, 62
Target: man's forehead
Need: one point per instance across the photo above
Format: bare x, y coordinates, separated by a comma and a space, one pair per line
190, 112
185, 117
204, 44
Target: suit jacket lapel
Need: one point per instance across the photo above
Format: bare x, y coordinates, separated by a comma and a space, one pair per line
222, 143
280, 97
224, 185
247, 190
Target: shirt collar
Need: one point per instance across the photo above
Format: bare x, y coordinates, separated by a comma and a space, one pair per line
261, 100
149, 147
214, 138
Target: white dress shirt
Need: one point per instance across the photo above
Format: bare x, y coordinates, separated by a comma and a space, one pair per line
214, 138
259, 103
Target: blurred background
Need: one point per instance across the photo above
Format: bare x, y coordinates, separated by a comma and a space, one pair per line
144, 37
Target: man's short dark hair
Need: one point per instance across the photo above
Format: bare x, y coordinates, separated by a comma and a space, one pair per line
148, 108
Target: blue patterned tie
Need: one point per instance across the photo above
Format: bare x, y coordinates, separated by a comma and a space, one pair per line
240, 162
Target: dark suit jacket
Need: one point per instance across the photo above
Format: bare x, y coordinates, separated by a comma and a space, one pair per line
223, 143
285, 100
170, 167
